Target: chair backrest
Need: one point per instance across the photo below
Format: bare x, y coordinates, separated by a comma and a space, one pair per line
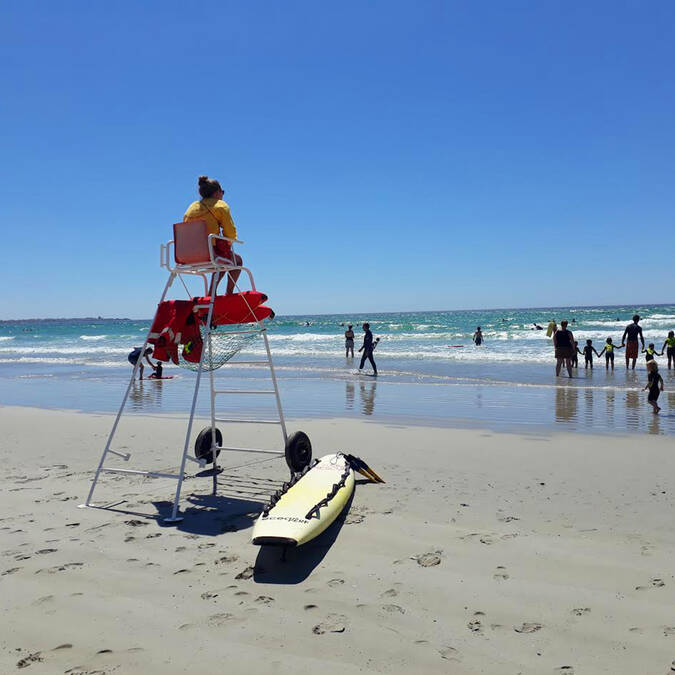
191, 242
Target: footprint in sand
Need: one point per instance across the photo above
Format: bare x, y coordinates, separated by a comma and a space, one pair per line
308, 607
500, 573
527, 628
475, 626
654, 583
430, 559
61, 568
220, 619
393, 609
447, 653
41, 601
507, 519
44, 551
246, 574
226, 559
136, 523
564, 670
335, 583
26, 661
669, 631
264, 600
390, 593
580, 611
334, 623
354, 518
11, 570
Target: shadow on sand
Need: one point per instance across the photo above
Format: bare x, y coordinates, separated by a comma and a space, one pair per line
211, 515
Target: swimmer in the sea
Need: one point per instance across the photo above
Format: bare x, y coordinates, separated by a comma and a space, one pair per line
478, 337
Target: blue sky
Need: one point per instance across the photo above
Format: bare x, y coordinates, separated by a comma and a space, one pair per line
377, 156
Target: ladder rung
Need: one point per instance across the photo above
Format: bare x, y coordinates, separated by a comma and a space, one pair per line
233, 421
244, 391
267, 452
154, 474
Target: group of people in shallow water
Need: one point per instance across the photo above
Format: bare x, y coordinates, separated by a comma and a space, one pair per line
567, 351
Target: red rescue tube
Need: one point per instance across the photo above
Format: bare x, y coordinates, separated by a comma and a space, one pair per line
235, 308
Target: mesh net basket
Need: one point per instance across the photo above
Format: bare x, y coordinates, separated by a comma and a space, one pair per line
226, 342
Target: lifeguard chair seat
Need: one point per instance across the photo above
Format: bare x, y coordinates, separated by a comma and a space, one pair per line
191, 243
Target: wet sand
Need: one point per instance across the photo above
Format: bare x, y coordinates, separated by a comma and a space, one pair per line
483, 553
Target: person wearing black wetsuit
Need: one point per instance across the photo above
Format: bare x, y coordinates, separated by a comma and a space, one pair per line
654, 385
367, 349
632, 332
478, 337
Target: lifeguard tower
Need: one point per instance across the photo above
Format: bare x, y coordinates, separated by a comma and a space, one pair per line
192, 256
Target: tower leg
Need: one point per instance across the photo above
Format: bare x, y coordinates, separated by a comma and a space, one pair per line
170, 280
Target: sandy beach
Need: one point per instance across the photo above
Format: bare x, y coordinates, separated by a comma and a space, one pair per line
483, 553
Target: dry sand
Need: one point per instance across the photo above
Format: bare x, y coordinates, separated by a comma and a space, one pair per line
483, 553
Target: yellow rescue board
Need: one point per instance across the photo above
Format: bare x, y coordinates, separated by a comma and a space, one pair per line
294, 520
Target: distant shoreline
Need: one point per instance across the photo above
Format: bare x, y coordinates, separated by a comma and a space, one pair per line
567, 308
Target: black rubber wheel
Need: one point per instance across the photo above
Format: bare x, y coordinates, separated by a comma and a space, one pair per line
298, 451
203, 444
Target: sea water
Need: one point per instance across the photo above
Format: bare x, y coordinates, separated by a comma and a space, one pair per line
82, 363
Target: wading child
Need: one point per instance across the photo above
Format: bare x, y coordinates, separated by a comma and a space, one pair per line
588, 352
650, 352
608, 351
670, 345
654, 385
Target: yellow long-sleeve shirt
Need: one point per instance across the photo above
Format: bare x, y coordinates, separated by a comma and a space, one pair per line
217, 216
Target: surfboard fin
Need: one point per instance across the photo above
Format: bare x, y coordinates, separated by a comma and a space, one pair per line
361, 467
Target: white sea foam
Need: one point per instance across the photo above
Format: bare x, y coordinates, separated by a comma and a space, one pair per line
6, 338
93, 337
39, 349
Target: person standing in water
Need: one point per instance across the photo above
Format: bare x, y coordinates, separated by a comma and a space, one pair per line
349, 341
669, 346
478, 337
563, 341
588, 352
654, 385
633, 331
650, 353
367, 348
608, 351
135, 355
216, 213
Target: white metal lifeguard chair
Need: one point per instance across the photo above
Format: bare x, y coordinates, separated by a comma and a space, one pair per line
192, 253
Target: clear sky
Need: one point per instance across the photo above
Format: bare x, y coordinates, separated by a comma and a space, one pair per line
377, 156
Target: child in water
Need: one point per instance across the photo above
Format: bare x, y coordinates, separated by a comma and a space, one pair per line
608, 351
654, 385
650, 352
670, 351
575, 357
588, 352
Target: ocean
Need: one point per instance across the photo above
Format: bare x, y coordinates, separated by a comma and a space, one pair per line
82, 363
